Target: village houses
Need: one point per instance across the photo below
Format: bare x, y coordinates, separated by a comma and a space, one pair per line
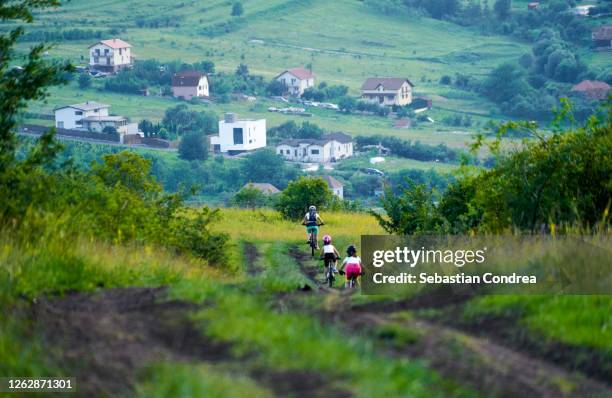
331, 148
93, 117
296, 80
110, 55
239, 135
263, 187
387, 90
189, 84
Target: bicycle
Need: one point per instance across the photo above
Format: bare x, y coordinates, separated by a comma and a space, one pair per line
329, 274
352, 283
312, 241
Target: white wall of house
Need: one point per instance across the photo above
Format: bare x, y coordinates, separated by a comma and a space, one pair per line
295, 85
69, 117
240, 135
188, 92
101, 55
401, 97
302, 152
339, 192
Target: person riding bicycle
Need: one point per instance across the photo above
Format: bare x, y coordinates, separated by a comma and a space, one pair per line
312, 220
329, 254
351, 265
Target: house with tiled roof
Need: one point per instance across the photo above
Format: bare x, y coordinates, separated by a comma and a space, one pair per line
264, 187
601, 37
330, 148
189, 84
335, 186
110, 55
387, 90
296, 80
592, 89
93, 117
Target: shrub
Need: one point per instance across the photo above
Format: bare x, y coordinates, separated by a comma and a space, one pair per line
293, 202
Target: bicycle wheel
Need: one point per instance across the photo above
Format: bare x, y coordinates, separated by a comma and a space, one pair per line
330, 277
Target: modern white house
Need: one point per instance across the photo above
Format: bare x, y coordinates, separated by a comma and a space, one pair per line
110, 55
296, 80
189, 84
330, 148
387, 91
335, 186
239, 135
94, 117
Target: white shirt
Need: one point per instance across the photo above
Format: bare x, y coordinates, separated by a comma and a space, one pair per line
328, 249
352, 260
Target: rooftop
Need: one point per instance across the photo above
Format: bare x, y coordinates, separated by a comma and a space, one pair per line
300, 73
113, 43
189, 78
337, 136
603, 32
391, 83
85, 106
104, 118
263, 187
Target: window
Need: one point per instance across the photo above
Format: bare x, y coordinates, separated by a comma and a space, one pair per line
120, 51
78, 113
289, 152
106, 51
97, 51
238, 136
60, 125
314, 151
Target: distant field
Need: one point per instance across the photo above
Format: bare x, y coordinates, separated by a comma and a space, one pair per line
393, 163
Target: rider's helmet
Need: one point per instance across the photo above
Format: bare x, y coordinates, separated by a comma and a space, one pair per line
327, 239
312, 208
351, 251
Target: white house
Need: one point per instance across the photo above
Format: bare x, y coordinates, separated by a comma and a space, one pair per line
92, 116
335, 186
330, 148
387, 90
110, 55
189, 84
296, 80
239, 135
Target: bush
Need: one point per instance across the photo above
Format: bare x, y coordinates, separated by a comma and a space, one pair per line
193, 146
84, 81
293, 202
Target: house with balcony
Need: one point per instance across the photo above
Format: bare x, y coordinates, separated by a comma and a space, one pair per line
330, 148
296, 80
387, 91
110, 55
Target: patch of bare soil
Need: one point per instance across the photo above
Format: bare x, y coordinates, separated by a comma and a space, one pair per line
507, 330
311, 272
108, 336
251, 254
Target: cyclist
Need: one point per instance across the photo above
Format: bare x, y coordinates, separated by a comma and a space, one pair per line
312, 220
351, 265
329, 254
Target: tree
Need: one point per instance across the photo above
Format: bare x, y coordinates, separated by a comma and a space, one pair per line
19, 86
237, 9
505, 82
193, 146
84, 81
180, 120
293, 202
502, 9
276, 87
242, 70
264, 166
347, 104
250, 197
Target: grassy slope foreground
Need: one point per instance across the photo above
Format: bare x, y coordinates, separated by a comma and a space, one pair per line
139, 321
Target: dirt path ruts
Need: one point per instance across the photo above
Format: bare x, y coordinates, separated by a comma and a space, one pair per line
251, 255
494, 369
107, 337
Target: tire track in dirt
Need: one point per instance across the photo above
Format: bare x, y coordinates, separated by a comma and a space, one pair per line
106, 338
251, 255
492, 368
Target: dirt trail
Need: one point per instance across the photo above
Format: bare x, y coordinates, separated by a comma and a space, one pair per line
251, 255
107, 337
492, 368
